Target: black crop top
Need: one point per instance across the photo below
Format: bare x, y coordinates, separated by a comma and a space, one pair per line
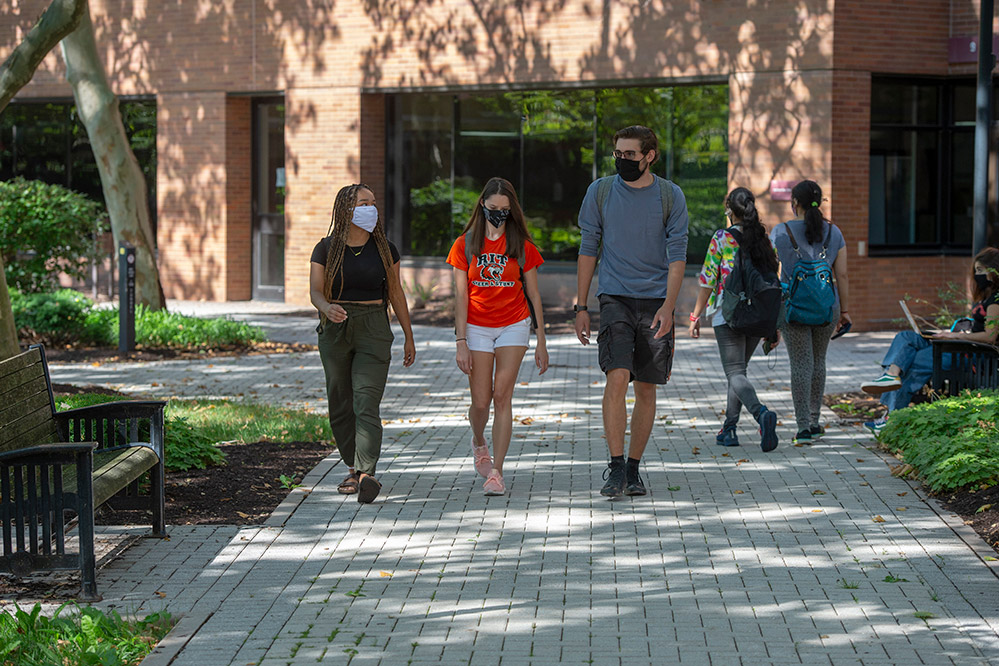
363, 273
978, 313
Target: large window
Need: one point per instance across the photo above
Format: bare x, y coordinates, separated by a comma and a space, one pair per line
922, 156
47, 141
550, 144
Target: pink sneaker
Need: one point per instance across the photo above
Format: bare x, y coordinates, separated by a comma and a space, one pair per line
483, 461
494, 484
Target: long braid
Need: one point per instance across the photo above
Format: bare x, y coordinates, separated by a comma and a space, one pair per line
342, 218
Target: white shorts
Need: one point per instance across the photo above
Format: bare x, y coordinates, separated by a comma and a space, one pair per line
487, 338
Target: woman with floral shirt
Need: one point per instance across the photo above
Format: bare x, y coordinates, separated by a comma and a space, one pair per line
745, 232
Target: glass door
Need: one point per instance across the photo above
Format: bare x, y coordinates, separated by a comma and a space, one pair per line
268, 199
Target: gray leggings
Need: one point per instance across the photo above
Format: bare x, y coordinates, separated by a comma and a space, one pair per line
806, 349
736, 350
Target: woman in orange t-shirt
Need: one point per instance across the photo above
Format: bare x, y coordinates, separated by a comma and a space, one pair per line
493, 279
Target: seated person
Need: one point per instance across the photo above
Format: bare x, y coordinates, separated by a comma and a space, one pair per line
909, 361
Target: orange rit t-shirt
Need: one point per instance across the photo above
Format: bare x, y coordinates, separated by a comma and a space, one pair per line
495, 295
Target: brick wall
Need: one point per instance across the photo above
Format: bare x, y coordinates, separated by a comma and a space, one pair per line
799, 76
238, 198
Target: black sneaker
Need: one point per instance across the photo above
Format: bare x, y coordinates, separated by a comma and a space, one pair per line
615, 480
816, 431
633, 484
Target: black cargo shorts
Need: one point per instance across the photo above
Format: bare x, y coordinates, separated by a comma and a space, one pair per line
626, 340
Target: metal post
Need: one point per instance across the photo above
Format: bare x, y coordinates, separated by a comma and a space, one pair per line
983, 127
126, 298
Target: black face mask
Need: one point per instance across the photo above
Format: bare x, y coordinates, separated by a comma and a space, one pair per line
628, 169
496, 217
982, 280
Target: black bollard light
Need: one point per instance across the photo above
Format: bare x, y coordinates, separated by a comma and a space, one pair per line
126, 298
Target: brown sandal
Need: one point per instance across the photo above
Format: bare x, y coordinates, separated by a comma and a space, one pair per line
368, 489
349, 485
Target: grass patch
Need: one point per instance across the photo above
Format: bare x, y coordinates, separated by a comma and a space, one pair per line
195, 427
951, 443
84, 636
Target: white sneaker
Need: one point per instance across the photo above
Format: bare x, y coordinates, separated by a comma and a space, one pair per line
882, 384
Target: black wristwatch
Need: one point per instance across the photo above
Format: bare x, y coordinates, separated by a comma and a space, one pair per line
579, 308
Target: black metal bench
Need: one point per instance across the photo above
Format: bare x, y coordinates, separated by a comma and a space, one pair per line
973, 365
56, 464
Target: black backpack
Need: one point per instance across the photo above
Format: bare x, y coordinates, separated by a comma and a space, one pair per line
752, 301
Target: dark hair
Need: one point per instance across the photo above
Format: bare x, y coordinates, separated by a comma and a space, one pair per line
341, 219
516, 229
646, 136
989, 258
755, 239
808, 194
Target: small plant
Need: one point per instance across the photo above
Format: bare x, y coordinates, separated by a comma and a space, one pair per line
421, 293
356, 592
892, 579
924, 615
849, 584
288, 482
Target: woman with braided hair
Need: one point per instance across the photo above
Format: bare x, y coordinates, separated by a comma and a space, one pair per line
354, 272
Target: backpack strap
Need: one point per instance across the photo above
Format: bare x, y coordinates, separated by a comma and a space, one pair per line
825, 243
665, 193
794, 243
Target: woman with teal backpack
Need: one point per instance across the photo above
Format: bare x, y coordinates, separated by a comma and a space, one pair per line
812, 254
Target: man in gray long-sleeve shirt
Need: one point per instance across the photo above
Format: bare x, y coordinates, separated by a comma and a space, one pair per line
638, 222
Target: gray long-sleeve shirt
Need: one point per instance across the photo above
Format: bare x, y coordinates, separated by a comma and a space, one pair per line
636, 247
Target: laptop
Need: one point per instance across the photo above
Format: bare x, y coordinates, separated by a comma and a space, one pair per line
928, 331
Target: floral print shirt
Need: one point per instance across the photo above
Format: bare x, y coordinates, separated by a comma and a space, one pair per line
717, 266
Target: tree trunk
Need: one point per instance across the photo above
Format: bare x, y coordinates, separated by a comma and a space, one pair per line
8, 331
121, 177
60, 19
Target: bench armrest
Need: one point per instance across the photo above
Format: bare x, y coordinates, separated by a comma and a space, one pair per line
120, 409
44, 450
951, 345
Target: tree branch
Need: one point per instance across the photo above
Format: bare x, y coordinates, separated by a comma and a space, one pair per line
60, 19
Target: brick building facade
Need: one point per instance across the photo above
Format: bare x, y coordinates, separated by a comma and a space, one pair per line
800, 78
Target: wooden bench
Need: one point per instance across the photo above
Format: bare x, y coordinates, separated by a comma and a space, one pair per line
973, 365
57, 464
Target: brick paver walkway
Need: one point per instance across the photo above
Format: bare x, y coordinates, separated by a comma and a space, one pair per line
737, 557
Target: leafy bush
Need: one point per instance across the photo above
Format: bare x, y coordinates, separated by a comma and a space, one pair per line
57, 318
67, 316
44, 230
89, 636
951, 443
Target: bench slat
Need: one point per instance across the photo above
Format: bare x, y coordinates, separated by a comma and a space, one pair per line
36, 427
113, 470
13, 364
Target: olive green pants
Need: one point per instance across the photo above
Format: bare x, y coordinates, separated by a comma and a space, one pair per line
356, 355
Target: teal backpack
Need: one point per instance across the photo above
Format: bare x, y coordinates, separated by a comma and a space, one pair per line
810, 293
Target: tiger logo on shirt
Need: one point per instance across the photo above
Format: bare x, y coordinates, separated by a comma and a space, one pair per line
491, 268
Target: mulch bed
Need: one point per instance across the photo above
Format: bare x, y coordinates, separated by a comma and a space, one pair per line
69, 354
243, 491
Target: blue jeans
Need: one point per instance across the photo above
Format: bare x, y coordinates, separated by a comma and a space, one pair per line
736, 350
914, 356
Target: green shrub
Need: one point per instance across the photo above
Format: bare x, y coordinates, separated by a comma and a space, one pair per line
44, 230
952, 443
67, 316
88, 636
57, 318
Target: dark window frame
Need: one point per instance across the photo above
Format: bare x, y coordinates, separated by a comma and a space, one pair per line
945, 129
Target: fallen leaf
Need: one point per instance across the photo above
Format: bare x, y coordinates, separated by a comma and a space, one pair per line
902, 494
696, 451
989, 558
818, 492
901, 508
527, 421
864, 483
860, 460
742, 460
384, 574
738, 492
242, 515
161, 595
878, 519
816, 510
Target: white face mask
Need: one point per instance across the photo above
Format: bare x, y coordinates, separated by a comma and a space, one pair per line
366, 217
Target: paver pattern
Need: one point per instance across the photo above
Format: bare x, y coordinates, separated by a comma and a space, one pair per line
736, 557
